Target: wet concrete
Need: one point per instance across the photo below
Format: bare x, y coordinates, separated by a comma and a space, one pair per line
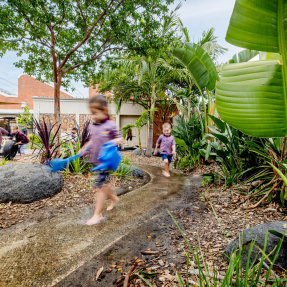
45, 253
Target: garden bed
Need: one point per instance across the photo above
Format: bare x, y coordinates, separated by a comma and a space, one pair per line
158, 248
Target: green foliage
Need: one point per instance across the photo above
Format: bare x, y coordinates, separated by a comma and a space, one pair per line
188, 137
3, 162
78, 165
252, 96
76, 33
124, 171
229, 152
35, 141
26, 118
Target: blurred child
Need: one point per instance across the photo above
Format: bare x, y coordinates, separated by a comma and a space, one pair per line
21, 139
73, 136
167, 147
101, 131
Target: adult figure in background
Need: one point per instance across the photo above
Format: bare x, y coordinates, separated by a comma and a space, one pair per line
129, 136
3, 132
21, 140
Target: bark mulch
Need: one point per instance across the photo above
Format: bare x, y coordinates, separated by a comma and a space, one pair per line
157, 251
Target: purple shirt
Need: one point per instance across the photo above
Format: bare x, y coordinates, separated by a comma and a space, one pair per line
99, 134
20, 137
166, 143
2, 132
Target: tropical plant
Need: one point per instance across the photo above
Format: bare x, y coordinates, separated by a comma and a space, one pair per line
229, 152
201, 69
78, 165
48, 147
252, 96
189, 140
123, 171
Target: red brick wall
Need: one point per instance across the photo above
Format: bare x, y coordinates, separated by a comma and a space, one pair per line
94, 90
29, 87
10, 100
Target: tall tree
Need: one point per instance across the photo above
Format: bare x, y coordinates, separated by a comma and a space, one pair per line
64, 38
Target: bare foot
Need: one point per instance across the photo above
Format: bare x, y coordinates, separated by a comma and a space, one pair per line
113, 204
165, 173
94, 220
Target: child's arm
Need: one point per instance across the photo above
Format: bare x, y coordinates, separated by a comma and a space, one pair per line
173, 150
85, 147
155, 149
157, 145
117, 141
173, 146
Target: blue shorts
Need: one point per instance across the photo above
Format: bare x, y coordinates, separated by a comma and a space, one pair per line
166, 156
101, 178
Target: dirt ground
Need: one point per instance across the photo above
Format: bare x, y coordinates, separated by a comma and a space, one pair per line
158, 248
76, 193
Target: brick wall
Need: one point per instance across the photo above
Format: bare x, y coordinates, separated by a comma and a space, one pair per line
29, 87
10, 100
94, 90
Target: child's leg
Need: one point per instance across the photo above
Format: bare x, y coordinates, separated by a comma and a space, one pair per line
22, 151
100, 198
166, 168
113, 197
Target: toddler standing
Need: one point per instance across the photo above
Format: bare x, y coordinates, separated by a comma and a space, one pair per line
101, 131
167, 147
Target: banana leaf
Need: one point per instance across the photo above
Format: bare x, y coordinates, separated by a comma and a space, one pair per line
199, 64
252, 96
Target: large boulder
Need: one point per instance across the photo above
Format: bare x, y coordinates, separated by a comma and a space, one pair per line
28, 182
258, 234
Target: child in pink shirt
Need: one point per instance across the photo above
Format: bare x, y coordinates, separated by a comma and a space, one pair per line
167, 148
101, 131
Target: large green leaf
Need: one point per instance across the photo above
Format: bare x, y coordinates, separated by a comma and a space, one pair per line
250, 97
256, 24
243, 56
199, 64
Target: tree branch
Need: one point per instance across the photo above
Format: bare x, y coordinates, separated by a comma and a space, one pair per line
87, 36
83, 16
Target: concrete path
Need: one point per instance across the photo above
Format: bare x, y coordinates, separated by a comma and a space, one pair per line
45, 253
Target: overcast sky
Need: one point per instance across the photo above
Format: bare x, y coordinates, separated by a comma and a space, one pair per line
196, 15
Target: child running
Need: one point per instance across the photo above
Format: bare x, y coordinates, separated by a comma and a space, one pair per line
167, 148
101, 131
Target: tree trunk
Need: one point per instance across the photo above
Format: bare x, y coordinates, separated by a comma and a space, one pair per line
150, 128
140, 144
57, 110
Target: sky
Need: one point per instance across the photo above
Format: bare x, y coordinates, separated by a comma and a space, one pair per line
196, 15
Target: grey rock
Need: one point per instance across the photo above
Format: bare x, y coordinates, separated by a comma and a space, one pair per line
258, 233
135, 171
28, 182
138, 152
